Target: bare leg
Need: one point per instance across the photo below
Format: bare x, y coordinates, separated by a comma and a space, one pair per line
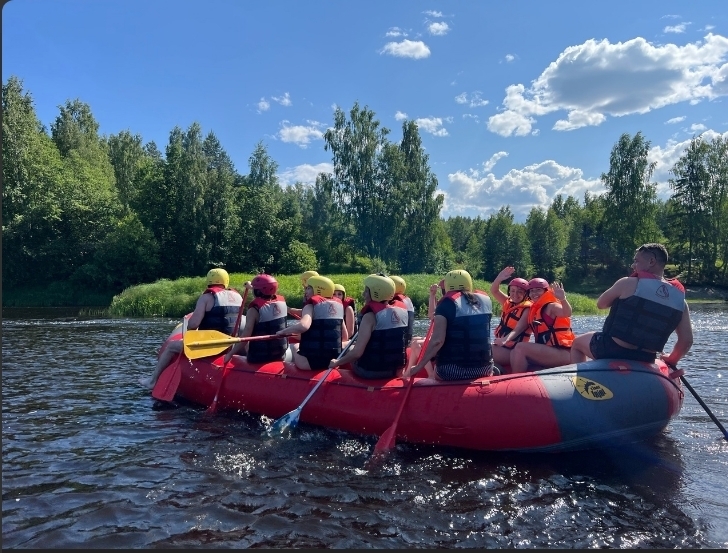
300, 361
501, 356
165, 358
538, 354
580, 349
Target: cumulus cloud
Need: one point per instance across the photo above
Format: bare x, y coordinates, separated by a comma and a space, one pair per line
305, 173
697, 127
598, 79
395, 32
263, 105
432, 125
415, 49
474, 101
488, 165
400, 116
438, 28
470, 116
666, 156
676, 28
299, 134
510, 58
675, 120
433, 13
284, 100
523, 189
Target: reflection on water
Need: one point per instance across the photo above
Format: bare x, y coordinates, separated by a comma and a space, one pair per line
88, 463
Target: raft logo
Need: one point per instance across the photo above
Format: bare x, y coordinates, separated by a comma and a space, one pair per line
662, 292
590, 389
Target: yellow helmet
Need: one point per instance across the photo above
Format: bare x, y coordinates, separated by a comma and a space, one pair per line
218, 276
340, 288
399, 284
458, 280
322, 286
381, 288
305, 276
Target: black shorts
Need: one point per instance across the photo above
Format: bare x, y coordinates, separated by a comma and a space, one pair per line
372, 375
318, 362
603, 347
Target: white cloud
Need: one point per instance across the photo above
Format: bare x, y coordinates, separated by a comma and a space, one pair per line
475, 99
395, 32
432, 125
284, 100
510, 58
400, 116
299, 134
697, 127
470, 116
676, 28
598, 79
415, 49
669, 16
439, 28
305, 174
263, 105
666, 157
433, 13
709, 27
675, 120
523, 189
488, 165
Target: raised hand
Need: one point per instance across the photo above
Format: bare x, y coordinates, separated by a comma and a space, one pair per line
505, 273
558, 290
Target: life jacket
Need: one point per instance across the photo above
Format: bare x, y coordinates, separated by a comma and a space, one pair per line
554, 333
224, 312
648, 317
351, 302
323, 338
467, 338
510, 315
386, 351
410, 315
271, 319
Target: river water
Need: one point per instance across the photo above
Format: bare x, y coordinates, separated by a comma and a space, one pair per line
88, 462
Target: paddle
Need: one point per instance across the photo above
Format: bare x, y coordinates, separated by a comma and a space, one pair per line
168, 381
213, 406
290, 419
701, 402
388, 440
206, 343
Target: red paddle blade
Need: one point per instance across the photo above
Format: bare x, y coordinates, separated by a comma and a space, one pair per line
387, 441
167, 383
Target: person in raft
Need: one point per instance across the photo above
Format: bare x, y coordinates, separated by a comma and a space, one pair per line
417, 341
266, 315
321, 326
292, 311
349, 308
217, 308
460, 340
399, 288
644, 310
513, 326
549, 318
379, 350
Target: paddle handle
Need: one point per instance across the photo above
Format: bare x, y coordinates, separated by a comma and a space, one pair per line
701, 402
326, 374
228, 341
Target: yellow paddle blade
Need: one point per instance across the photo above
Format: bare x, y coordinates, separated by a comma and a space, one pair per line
206, 343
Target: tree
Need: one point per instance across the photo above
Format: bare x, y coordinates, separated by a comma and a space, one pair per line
126, 154
630, 199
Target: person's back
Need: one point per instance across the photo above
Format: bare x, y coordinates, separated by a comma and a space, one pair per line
271, 317
386, 351
400, 286
321, 342
227, 302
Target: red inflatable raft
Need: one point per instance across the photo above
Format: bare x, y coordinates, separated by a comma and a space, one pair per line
580, 406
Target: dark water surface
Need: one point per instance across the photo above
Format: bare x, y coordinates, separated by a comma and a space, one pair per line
87, 462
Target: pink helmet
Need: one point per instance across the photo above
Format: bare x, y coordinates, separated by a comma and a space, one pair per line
265, 284
538, 283
521, 283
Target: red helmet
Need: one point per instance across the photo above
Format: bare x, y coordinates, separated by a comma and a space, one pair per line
538, 283
521, 283
265, 284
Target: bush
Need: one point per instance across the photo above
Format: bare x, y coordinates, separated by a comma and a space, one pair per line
299, 257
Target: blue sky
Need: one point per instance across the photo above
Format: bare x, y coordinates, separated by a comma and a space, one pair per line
516, 102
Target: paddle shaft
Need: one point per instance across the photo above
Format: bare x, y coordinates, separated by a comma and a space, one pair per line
230, 341
701, 402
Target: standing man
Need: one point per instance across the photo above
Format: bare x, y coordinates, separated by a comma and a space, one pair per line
644, 310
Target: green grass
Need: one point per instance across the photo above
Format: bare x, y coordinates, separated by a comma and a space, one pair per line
175, 298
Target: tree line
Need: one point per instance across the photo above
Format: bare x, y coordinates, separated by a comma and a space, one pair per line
108, 212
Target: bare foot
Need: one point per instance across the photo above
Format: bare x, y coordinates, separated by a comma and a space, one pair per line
146, 382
